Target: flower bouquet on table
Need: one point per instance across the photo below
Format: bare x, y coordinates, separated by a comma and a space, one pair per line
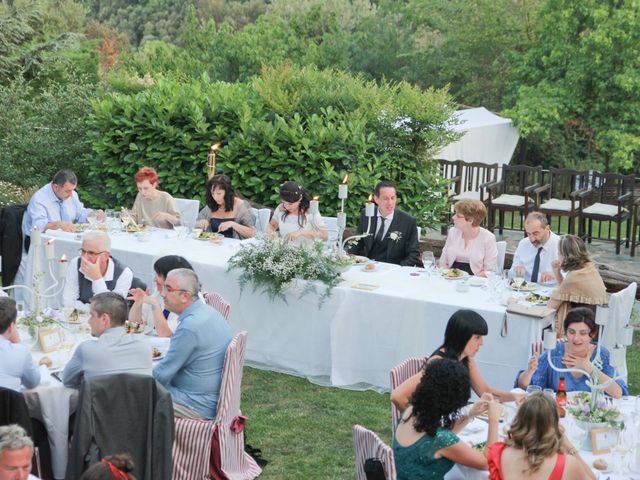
40, 319
593, 411
275, 265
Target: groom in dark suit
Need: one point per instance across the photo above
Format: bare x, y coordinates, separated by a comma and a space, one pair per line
393, 235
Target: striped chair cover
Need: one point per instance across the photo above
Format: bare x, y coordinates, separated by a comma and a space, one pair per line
192, 445
216, 301
399, 374
369, 445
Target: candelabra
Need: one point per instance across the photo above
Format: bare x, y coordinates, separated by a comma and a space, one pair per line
55, 289
616, 359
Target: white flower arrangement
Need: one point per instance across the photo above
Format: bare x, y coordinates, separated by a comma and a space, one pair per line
273, 265
395, 235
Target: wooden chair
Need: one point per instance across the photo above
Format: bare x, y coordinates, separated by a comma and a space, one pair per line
216, 301
610, 199
635, 227
513, 193
561, 195
473, 180
215, 448
369, 446
398, 374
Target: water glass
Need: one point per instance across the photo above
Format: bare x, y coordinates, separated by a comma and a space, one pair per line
550, 391
428, 260
533, 389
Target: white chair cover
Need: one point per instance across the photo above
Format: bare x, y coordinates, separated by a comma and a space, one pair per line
216, 301
398, 374
263, 216
332, 228
188, 211
369, 445
192, 445
620, 307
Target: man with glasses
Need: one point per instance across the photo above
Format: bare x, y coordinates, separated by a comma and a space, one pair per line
56, 206
115, 351
94, 271
535, 253
192, 368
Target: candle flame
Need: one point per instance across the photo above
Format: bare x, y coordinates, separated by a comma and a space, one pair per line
316, 198
370, 198
63, 258
215, 147
346, 178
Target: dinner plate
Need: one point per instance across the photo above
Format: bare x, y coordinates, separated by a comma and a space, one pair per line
444, 275
529, 287
539, 301
370, 270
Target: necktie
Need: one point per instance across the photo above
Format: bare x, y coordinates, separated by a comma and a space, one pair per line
536, 266
63, 212
380, 233
165, 312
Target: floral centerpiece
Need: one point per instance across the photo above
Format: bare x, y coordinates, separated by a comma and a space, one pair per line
42, 318
588, 417
274, 265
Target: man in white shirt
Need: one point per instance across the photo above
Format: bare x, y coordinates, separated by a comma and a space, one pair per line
534, 255
56, 206
94, 271
16, 450
115, 351
16, 365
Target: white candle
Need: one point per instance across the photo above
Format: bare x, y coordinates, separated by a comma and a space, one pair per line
627, 336
602, 314
342, 220
343, 189
62, 267
617, 357
36, 237
550, 340
369, 208
314, 205
49, 249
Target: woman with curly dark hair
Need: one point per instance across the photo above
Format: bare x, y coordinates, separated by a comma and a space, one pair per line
112, 467
425, 445
292, 218
463, 337
582, 284
226, 212
536, 448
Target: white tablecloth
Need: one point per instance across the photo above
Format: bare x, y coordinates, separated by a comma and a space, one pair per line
356, 336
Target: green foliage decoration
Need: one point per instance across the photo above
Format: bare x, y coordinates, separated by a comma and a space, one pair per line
304, 124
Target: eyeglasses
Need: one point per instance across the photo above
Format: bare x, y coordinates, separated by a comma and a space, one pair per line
82, 251
167, 288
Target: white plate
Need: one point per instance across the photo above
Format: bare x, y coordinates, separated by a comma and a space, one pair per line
529, 287
443, 273
370, 270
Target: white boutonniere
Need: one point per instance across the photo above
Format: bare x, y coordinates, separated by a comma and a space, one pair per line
395, 236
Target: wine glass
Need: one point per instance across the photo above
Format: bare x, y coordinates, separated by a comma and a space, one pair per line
533, 389
428, 260
92, 218
623, 446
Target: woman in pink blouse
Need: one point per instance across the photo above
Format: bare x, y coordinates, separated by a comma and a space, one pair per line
470, 247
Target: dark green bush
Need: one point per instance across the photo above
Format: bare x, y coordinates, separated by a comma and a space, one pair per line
303, 124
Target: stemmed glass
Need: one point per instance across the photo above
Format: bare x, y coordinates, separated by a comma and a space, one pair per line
428, 260
92, 218
623, 446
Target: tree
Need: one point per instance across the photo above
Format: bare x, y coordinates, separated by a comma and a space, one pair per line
577, 95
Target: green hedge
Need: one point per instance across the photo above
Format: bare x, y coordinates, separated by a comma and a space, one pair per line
307, 125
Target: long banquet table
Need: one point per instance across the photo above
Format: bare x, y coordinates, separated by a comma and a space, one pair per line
356, 336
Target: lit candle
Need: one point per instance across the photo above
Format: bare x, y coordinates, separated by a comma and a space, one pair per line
36, 237
314, 205
617, 357
550, 340
62, 268
342, 220
602, 314
49, 249
343, 189
369, 207
627, 336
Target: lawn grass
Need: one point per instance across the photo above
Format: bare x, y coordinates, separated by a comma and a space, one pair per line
304, 430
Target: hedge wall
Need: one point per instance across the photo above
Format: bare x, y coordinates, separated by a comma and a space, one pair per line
306, 125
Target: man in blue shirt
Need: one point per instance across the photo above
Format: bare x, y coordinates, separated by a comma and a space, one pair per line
56, 206
192, 368
115, 350
16, 364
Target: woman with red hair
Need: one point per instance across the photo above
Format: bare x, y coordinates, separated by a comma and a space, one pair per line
153, 206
